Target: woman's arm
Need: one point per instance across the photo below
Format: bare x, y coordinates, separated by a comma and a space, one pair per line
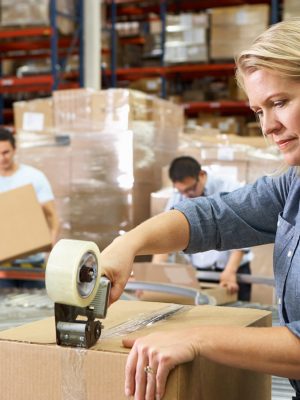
274, 351
163, 233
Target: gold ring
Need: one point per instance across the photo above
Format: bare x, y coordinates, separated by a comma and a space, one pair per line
149, 370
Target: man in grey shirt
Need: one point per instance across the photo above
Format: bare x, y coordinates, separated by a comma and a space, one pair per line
191, 181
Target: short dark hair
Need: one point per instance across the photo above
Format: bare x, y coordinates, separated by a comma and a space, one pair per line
183, 167
7, 136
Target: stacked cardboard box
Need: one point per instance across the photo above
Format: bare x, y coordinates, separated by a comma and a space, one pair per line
119, 141
27, 12
147, 85
36, 12
290, 9
186, 38
233, 29
34, 119
228, 125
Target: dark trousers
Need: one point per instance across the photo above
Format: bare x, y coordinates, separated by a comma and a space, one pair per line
244, 293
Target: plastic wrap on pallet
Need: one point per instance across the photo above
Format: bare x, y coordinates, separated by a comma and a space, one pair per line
103, 178
86, 109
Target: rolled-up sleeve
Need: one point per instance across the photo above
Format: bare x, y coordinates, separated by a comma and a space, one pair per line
245, 217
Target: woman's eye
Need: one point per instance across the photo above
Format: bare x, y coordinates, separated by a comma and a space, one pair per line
279, 103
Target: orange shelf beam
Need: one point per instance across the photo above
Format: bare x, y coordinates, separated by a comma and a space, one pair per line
29, 45
25, 32
23, 275
234, 107
132, 40
34, 83
169, 71
124, 7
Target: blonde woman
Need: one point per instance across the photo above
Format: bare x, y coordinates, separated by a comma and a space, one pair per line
264, 212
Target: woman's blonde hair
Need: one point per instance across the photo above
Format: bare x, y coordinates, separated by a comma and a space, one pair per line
278, 49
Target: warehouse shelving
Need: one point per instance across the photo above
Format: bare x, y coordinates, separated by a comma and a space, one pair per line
141, 10
57, 48
45, 42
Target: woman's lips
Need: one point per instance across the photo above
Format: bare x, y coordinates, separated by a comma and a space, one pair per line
282, 144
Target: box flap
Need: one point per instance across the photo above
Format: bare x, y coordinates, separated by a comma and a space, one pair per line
43, 332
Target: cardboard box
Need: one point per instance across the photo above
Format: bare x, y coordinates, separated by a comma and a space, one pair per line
179, 275
24, 229
227, 125
240, 15
290, 9
234, 28
34, 116
36, 368
28, 12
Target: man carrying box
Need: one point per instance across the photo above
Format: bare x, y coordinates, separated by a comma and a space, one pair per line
12, 176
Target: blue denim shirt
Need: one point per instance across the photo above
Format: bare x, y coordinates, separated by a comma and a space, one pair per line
264, 212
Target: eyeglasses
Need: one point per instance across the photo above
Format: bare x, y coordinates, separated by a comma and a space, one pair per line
190, 189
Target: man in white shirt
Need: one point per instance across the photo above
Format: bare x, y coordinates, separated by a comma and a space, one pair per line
189, 181
14, 175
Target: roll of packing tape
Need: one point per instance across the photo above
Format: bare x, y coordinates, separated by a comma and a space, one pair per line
73, 272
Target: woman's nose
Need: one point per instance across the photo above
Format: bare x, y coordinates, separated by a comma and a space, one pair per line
270, 125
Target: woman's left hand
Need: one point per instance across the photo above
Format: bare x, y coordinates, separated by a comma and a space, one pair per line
151, 359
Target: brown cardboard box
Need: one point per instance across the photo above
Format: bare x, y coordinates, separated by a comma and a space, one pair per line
147, 85
27, 12
240, 15
36, 368
234, 28
24, 229
179, 275
227, 125
290, 9
34, 116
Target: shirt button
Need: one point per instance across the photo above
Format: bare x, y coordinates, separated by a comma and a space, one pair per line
279, 301
290, 253
278, 223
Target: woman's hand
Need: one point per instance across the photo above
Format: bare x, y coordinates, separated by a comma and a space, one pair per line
160, 353
116, 262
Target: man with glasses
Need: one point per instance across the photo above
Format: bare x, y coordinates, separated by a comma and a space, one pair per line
189, 181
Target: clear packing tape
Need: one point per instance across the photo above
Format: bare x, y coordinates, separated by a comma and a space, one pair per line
73, 384
143, 320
